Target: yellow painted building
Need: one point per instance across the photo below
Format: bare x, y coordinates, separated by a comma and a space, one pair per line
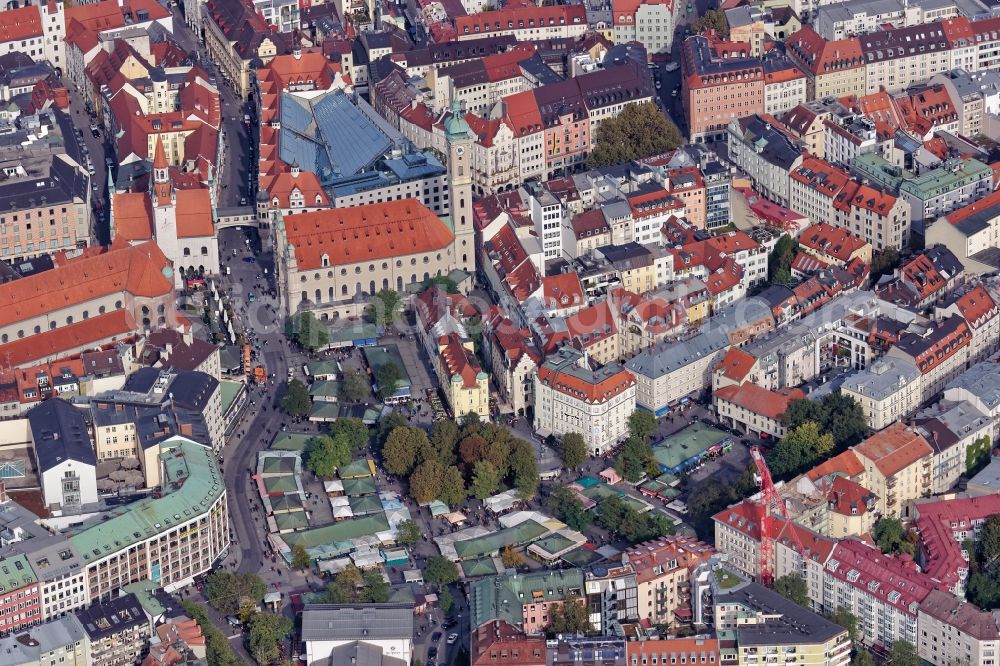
465, 384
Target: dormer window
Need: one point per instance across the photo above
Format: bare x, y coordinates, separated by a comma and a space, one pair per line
325, 260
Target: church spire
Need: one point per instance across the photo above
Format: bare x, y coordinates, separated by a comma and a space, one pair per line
161, 188
160, 165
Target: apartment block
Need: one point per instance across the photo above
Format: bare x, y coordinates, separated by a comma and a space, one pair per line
955, 631
945, 525
833, 68
662, 571
722, 82
898, 463
170, 538
571, 397
763, 626
117, 629
888, 390
883, 592
940, 351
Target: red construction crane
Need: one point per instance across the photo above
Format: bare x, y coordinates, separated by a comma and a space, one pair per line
769, 503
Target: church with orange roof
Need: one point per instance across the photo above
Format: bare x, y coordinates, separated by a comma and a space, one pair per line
179, 220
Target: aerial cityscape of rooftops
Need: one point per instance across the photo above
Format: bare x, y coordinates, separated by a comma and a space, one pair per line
514, 333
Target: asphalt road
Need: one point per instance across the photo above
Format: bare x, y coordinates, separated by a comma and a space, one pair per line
238, 144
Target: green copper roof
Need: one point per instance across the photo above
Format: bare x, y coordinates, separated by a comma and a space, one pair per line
191, 484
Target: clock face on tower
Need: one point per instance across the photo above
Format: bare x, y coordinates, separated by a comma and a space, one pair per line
460, 150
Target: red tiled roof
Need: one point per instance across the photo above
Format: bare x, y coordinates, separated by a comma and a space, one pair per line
20, 23
880, 575
759, 400
522, 113
365, 233
845, 463
562, 291
653, 559
943, 526
592, 325
138, 270
498, 637
736, 364
499, 20
976, 306
847, 497
895, 448
458, 360
989, 201
743, 517
833, 241
574, 386
706, 649
69, 339
133, 216
821, 56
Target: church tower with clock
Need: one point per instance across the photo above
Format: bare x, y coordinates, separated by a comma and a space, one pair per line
459, 137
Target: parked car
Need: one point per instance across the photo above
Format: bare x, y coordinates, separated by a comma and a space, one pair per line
452, 638
233, 621
435, 637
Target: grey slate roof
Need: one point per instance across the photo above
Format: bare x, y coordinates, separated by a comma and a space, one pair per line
108, 618
364, 622
792, 623
26, 647
981, 380
60, 433
882, 378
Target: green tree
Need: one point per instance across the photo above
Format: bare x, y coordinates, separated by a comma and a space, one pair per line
838, 414
485, 480
641, 424
862, 657
983, 590
324, 454
355, 386
713, 19
307, 331
227, 591
779, 262
217, 649
977, 455
444, 438
639, 130
574, 450
443, 281
387, 425
425, 482
635, 459
846, 619
903, 653
884, 263
704, 501
354, 430
989, 541
300, 557
523, 468
375, 589
452, 490
388, 379
569, 617
404, 444
446, 601
511, 558
408, 532
793, 587
296, 400
383, 310
266, 633
440, 571
799, 449
344, 587
892, 538
567, 508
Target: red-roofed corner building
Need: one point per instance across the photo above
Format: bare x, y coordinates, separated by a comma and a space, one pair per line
982, 313
464, 383
834, 245
971, 233
944, 525
721, 82
570, 397
897, 462
499, 643
663, 575
833, 68
882, 592
755, 410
